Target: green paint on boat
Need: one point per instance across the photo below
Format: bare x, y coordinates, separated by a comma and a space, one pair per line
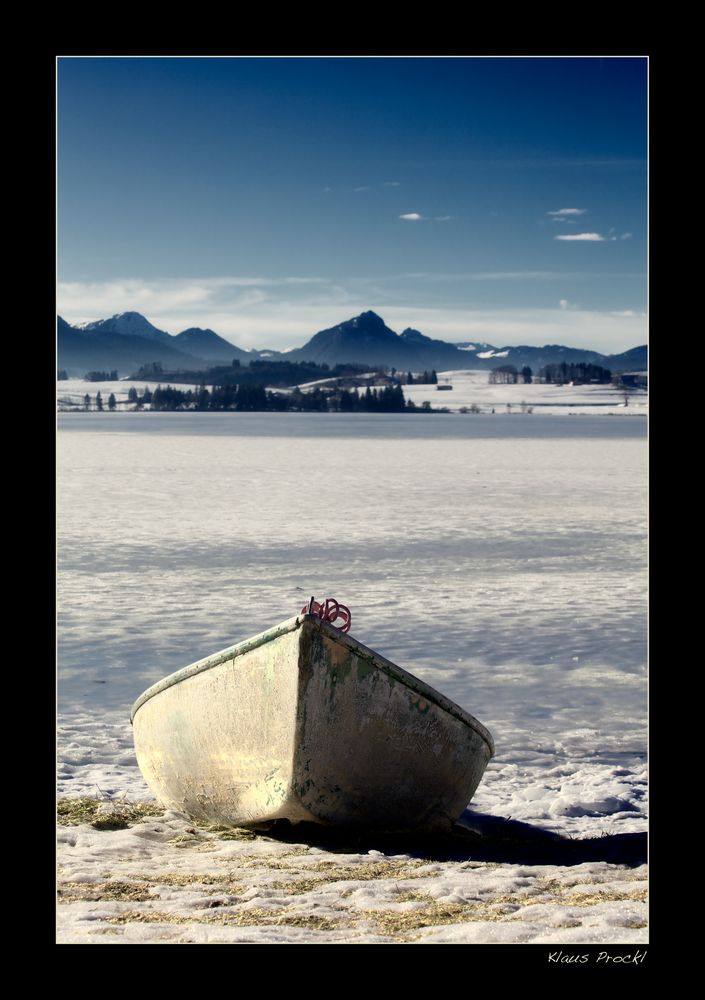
364, 669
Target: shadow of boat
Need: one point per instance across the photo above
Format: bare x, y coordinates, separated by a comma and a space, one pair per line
475, 837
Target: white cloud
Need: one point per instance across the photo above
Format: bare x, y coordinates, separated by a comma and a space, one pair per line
412, 217
568, 211
442, 218
582, 237
391, 184
178, 303
362, 188
91, 298
625, 236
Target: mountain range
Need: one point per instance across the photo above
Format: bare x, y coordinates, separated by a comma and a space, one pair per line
128, 340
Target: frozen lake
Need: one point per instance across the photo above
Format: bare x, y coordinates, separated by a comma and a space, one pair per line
502, 559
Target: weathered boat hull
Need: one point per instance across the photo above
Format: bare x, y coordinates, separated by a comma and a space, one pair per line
306, 724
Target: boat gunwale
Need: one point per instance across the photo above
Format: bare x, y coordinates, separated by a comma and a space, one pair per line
215, 659
291, 625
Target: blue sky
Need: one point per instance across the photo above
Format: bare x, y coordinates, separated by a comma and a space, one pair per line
490, 199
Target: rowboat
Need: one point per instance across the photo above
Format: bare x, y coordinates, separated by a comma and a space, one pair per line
306, 724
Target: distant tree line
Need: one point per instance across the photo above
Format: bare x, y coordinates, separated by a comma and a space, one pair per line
428, 378
274, 373
510, 375
559, 374
389, 399
112, 402
111, 376
257, 398
139, 401
244, 397
62, 375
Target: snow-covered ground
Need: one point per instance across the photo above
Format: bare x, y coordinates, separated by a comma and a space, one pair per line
501, 559
473, 388
470, 388
71, 392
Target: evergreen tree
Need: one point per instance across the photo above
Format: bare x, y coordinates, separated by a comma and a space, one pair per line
86, 402
99, 402
132, 395
504, 375
582, 372
112, 402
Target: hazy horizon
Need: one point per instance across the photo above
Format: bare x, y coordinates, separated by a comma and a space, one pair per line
537, 342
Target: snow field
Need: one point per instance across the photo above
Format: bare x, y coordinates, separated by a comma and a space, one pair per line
502, 561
